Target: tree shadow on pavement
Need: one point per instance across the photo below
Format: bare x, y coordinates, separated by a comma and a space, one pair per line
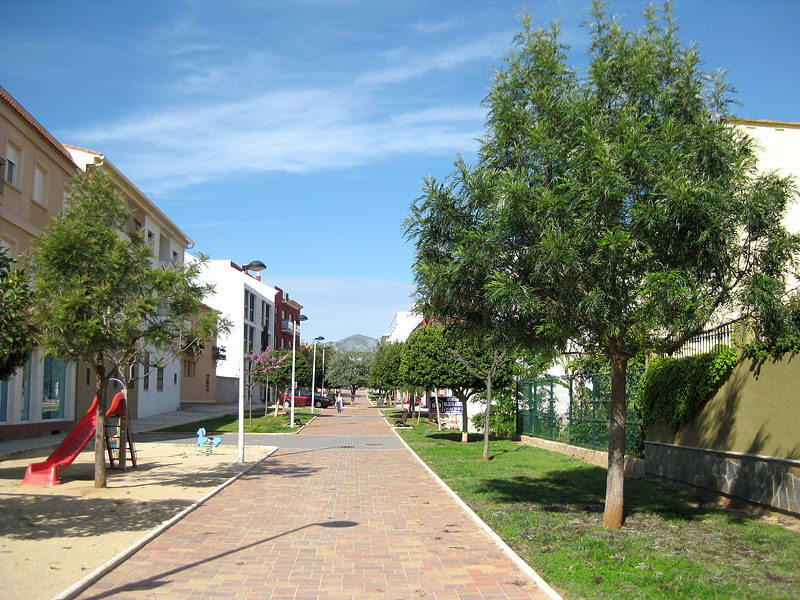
161, 579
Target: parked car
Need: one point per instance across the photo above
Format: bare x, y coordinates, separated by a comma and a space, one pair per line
303, 398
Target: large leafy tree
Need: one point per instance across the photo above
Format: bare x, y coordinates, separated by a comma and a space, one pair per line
307, 350
434, 357
617, 208
384, 375
16, 333
98, 297
350, 369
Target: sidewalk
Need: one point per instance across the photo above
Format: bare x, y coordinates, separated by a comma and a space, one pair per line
188, 414
327, 523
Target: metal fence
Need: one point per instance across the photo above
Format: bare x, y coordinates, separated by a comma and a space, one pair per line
705, 342
575, 410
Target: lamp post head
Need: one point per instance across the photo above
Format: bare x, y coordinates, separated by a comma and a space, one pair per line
319, 338
302, 318
254, 265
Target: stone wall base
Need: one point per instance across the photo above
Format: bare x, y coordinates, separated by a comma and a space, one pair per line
767, 480
32, 430
633, 466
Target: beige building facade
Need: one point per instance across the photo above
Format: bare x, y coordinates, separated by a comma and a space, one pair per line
778, 149
35, 175
199, 374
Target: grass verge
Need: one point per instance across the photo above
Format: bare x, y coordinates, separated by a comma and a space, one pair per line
674, 543
230, 423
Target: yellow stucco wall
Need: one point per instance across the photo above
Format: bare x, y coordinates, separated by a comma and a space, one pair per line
756, 411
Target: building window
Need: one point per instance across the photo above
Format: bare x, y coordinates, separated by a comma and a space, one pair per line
25, 407
54, 376
12, 164
189, 368
4, 400
2, 173
146, 372
40, 185
264, 339
208, 382
249, 336
264, 314
163, 248
160, 379
249, 306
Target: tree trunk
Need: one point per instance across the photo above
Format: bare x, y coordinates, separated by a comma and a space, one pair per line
464, 418
100, 429
438, 411
613, 514
488, 413
266, 401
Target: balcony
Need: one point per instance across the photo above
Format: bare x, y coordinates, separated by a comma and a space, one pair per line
286, 326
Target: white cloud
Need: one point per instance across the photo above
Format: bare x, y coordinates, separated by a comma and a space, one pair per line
431, 27
284, 130
410, 65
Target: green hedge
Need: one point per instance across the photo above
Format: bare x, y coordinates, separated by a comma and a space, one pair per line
673, 390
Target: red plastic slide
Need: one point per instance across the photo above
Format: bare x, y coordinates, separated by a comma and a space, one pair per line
44, 474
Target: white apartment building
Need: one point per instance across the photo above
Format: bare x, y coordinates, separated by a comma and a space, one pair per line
402, 325
250, 306
157, 392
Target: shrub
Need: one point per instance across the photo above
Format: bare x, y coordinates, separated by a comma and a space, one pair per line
502, 419
673, 390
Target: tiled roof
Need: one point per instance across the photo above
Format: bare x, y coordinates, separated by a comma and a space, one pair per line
83, 149
9, 99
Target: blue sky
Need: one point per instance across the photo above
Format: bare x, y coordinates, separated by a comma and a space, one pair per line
298, 132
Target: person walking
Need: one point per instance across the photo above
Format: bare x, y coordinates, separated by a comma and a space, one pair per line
339, 403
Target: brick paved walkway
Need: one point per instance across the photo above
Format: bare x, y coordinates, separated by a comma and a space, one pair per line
325, 523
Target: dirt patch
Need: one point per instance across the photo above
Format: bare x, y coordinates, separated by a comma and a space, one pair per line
52, 537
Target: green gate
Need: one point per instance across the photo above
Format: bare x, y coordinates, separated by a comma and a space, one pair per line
575, 410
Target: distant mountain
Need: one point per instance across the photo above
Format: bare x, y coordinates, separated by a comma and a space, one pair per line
357, 343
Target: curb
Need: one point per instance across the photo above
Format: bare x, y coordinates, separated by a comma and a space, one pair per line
525, 567
25, 452
80, 586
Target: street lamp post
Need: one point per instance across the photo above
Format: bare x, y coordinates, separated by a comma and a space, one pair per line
294, 352
255, 265
314, 371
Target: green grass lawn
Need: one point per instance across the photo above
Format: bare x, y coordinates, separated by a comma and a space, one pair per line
230, 423
674, 543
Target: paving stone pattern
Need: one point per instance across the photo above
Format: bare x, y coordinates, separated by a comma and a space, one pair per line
325, 523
